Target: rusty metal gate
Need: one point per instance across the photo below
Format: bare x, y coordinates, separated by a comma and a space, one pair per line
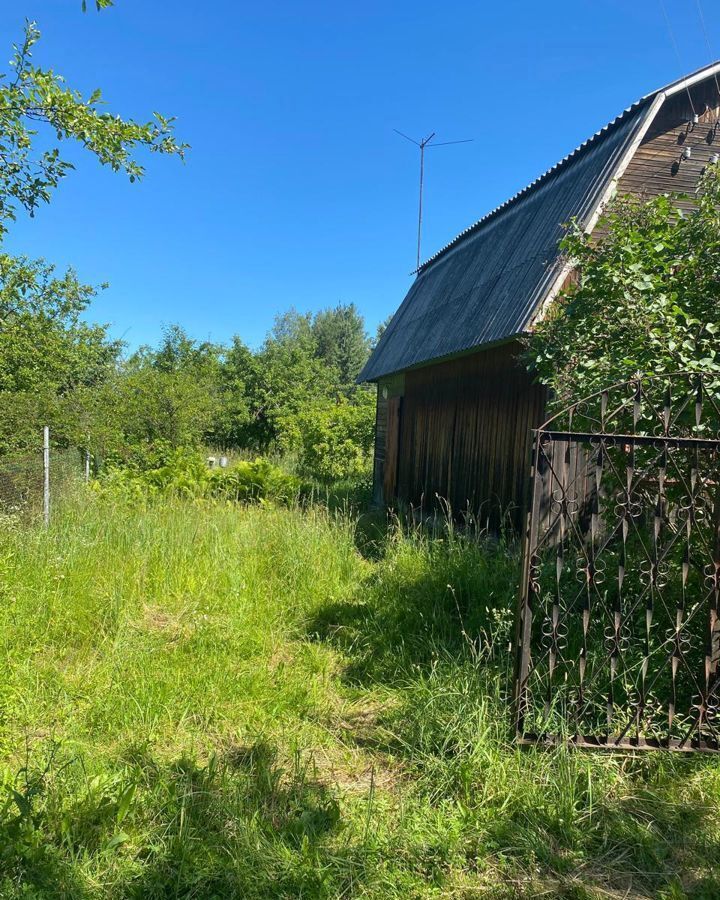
618, 635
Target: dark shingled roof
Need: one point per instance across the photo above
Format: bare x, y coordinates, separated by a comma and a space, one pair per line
486, 285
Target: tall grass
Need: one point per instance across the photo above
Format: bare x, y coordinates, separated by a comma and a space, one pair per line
203, 700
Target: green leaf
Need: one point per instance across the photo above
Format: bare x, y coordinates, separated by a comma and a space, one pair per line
22, 803
125, 802
116, 840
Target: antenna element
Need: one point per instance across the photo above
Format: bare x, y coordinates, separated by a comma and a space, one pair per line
422, 144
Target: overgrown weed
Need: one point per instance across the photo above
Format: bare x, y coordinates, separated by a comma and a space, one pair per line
206, 700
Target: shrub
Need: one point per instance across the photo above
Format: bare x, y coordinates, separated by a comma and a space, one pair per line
249, 480
334, 439
185, 473
644, 299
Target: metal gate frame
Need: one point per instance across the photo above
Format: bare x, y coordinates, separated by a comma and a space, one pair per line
628, 476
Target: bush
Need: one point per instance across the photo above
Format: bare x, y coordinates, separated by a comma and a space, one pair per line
185, 473
334, 439
644, 299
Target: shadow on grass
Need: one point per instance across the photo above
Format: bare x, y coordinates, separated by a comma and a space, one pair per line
39, 872
427, 600
431, 628
242, 826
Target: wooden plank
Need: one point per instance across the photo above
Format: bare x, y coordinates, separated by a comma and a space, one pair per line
392, 448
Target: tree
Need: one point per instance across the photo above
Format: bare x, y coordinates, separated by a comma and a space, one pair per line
380, 331
335, 437
33, 97
52, 362
341, 341
172, 392
285, 376
233, 426
178, 352
49, 355
143, 408
45, 346
645, 297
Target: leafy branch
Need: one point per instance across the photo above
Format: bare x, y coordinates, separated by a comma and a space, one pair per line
40, 97
645, 296
99, 4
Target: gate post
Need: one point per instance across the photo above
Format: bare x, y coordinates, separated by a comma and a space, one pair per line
523, 615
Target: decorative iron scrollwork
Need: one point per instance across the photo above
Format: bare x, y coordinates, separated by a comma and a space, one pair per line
619, 637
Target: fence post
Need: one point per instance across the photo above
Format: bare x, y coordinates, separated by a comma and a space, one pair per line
46, 475
87, 465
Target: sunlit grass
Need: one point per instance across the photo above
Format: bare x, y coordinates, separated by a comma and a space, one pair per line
202, 700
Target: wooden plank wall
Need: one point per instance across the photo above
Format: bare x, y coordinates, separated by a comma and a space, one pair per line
466, 434
392, 448
387, 388
656, 167
379, 455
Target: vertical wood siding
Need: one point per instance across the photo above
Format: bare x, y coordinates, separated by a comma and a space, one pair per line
392, 447
387, 389
379, 454
466, 434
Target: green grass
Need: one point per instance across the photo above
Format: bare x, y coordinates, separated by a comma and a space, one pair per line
214, 701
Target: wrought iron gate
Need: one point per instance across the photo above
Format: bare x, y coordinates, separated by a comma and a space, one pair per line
618, 637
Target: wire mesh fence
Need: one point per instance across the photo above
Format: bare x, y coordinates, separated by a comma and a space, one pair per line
33, 480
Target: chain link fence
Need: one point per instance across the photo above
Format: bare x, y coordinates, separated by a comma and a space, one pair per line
32, 480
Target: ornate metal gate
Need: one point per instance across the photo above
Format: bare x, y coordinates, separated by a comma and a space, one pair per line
618, 638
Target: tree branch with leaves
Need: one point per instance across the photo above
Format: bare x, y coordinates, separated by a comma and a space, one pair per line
645, 296
31, 98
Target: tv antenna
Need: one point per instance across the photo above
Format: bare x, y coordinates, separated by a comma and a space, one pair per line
422, 144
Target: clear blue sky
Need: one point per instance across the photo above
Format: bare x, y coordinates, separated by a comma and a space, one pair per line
296, 190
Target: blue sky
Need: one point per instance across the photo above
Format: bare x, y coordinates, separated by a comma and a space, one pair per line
297, 192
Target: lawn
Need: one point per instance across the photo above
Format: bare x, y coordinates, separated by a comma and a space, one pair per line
208, 700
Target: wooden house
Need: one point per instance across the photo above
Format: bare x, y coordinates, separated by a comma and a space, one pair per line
455, 408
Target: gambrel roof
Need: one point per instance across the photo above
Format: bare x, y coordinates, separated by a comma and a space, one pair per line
490, 283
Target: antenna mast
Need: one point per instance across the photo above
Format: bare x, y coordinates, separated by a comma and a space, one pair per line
422, 144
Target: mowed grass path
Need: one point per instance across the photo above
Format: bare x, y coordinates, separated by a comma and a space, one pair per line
214, 701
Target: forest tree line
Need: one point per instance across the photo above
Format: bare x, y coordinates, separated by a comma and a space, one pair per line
296, 394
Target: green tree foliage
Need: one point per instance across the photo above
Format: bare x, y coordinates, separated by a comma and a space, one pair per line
646, 297
139, 408
334, 438
284, 377
178, 352
49, 356
170, 394
45, 345
234, 423
285, 396
380, 331
56, 368
342, 342
32, 96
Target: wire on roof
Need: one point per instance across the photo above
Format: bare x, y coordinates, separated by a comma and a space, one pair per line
707, 44
677, 50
